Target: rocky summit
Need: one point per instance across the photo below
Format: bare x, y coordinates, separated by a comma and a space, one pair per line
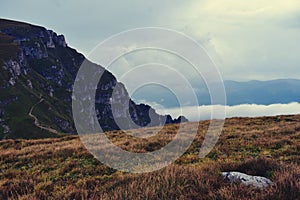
37, 73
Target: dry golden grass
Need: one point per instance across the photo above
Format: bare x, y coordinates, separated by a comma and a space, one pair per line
62, 168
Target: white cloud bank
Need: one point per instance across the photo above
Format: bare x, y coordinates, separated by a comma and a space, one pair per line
244, 110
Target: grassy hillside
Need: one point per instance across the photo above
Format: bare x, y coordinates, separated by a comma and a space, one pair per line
62, 168
17, 99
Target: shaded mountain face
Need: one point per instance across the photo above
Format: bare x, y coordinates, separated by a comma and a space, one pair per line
37, 73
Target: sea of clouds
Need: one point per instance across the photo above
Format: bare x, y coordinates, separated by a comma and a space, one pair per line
243, 110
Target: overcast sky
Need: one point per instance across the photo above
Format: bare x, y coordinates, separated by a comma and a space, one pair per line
248, 39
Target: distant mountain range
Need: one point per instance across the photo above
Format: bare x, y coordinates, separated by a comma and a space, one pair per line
37, 72
258, 92
252, 92
263, 92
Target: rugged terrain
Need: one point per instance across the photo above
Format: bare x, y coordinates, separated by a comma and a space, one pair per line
62, 168
37, 73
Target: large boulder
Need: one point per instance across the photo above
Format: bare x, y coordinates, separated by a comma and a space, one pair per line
257, 181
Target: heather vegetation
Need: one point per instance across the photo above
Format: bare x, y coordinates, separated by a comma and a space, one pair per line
62, 168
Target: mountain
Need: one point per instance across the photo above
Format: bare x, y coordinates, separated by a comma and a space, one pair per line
263, 92
37, 73
281, 91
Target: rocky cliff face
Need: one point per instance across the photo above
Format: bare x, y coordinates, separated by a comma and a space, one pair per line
35, 64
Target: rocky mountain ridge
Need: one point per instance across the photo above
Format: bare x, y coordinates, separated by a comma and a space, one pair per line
35, 64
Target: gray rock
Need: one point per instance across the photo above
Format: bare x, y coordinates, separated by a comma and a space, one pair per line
257, 181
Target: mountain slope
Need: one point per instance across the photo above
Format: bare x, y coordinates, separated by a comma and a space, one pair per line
35, 64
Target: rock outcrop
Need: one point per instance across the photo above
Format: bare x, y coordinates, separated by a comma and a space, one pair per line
256, 181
